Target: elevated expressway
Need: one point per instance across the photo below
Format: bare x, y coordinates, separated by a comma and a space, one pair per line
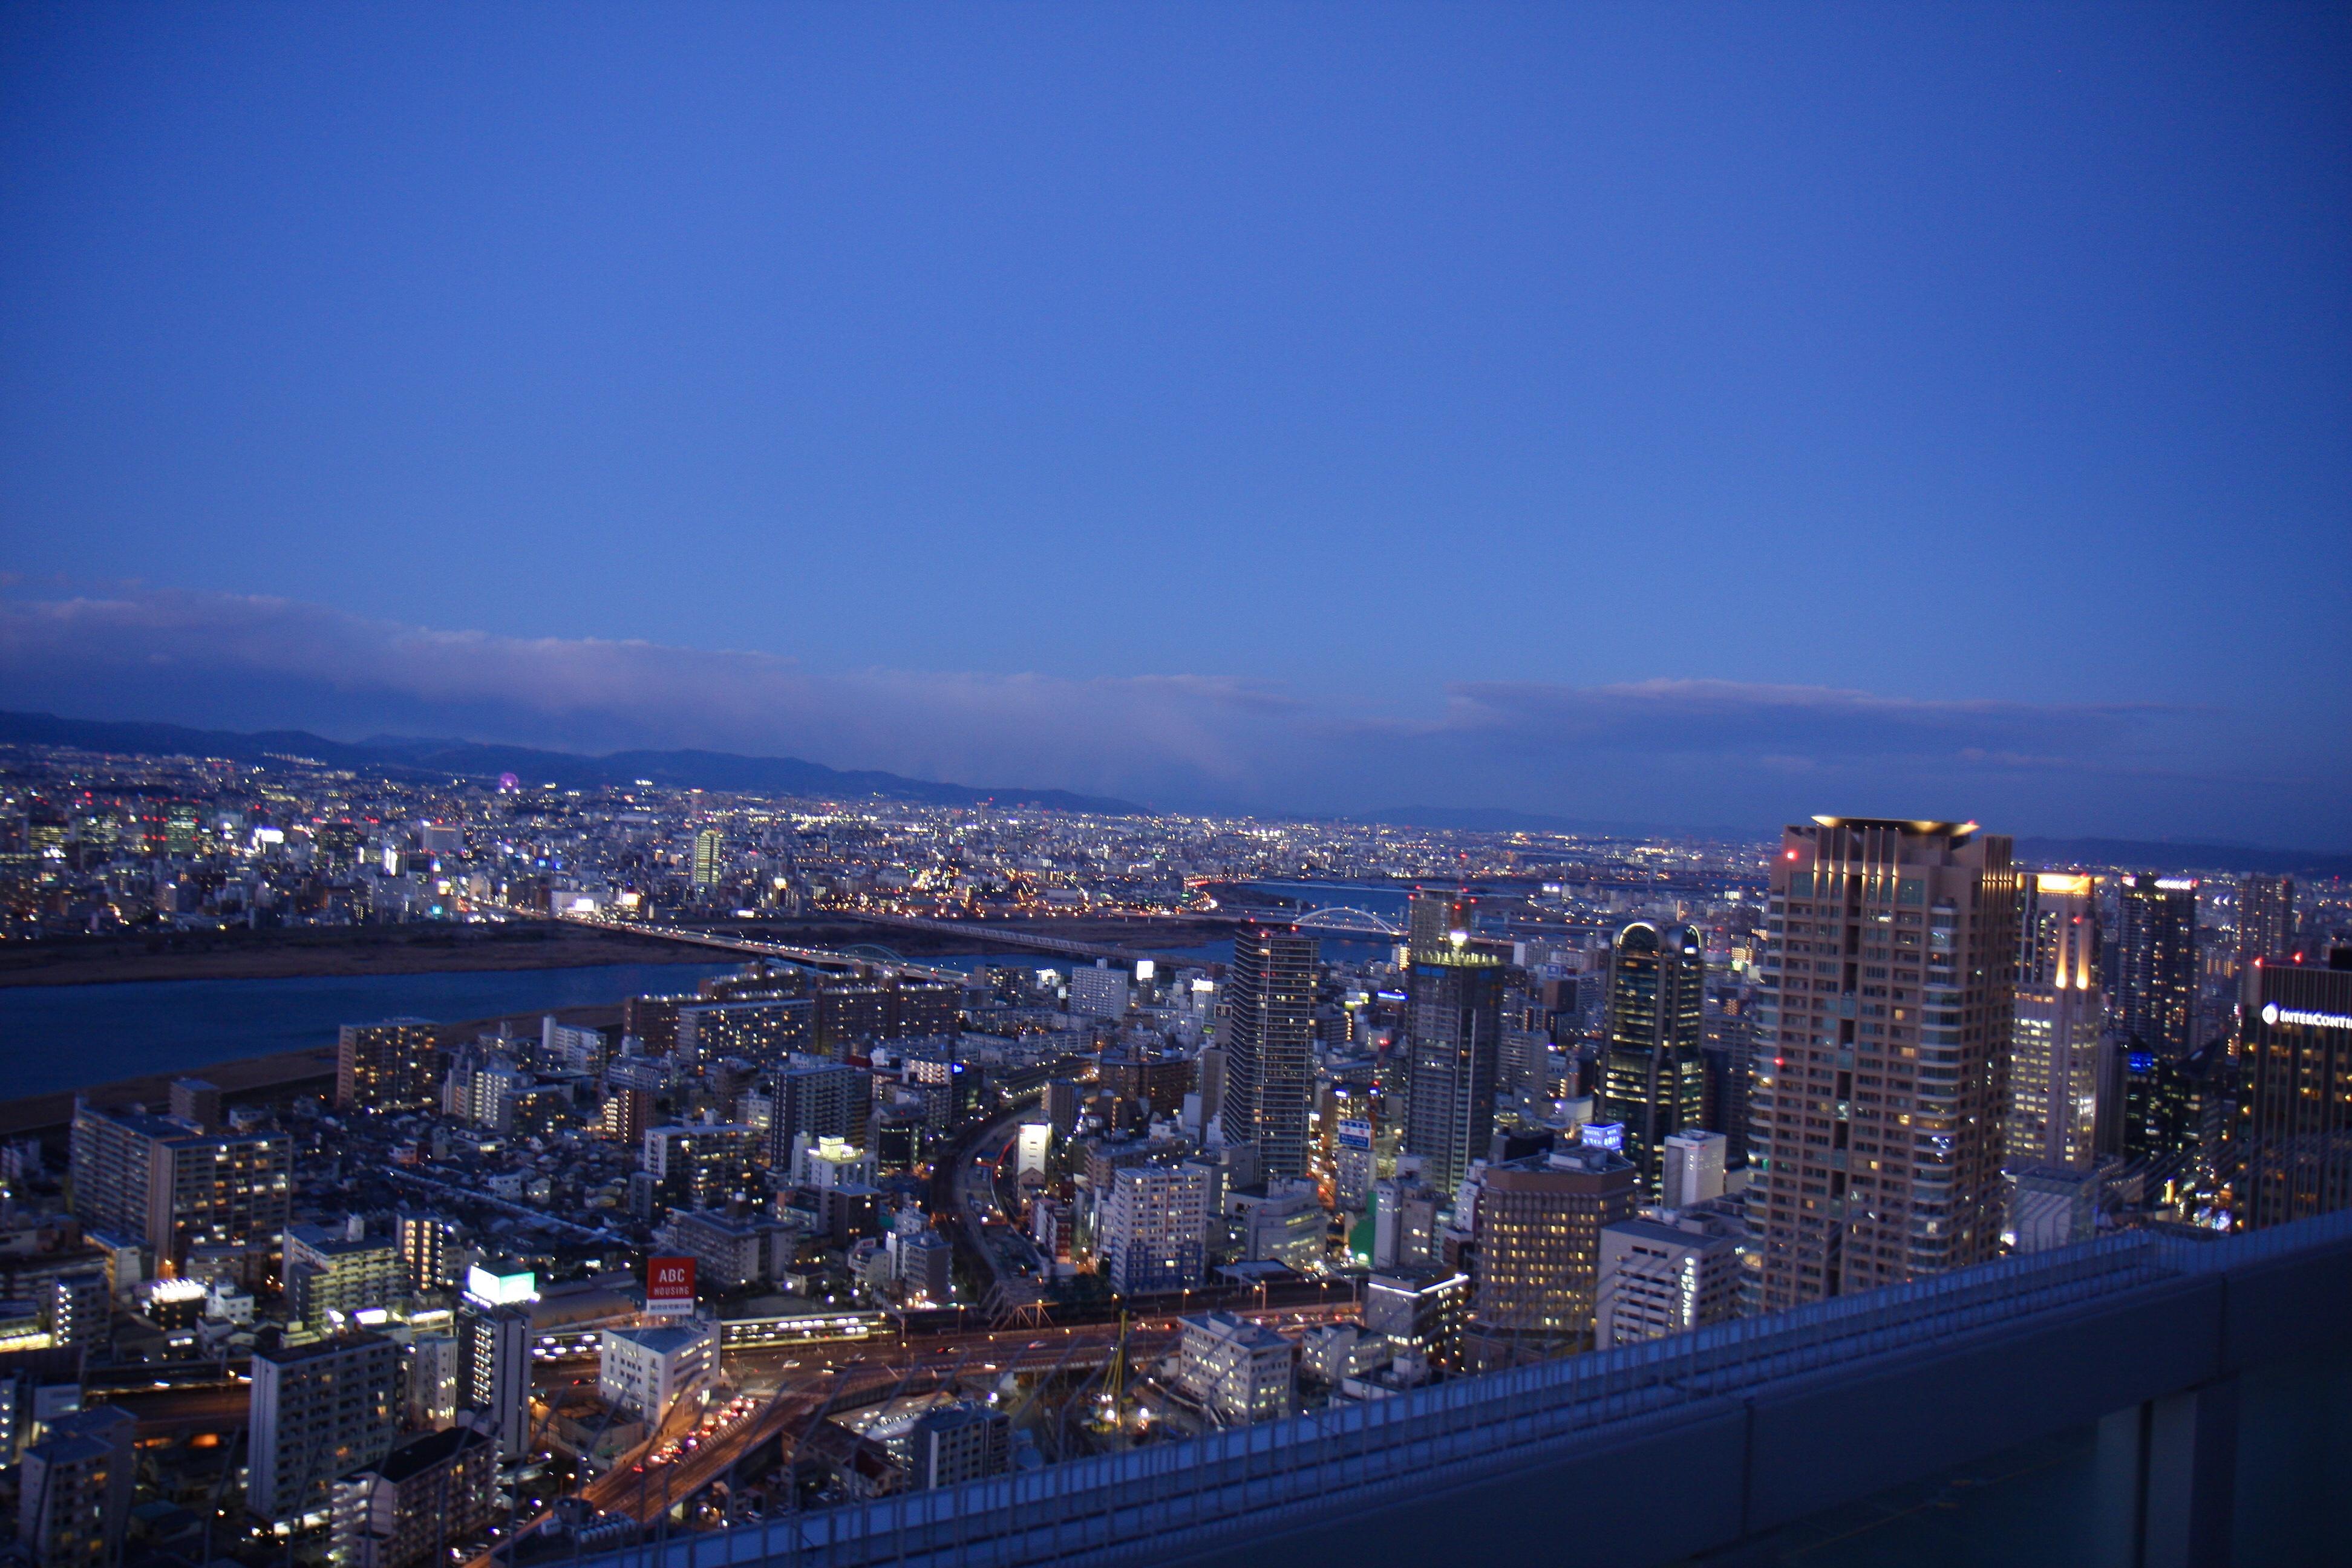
1704, 1445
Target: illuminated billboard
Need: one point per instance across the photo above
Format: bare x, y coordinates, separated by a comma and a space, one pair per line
669, 1287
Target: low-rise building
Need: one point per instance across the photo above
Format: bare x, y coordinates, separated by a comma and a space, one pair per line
1238, 1370
958, 1443
646, 1370
1660, 1276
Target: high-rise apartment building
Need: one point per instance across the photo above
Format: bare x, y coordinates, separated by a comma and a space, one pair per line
391, 1065
1454, 1025
1882, 1079
405, 1511
1534, 1273
317, 1413
1153, 1229
429, 1244
332, 1273
2295, 1120
701, 1164
1269, 1046
2155, 994
494, 1343
1653, 1074
2265, 919
175, 1187
2054, 1058
709, 857
827, 1100
74, 1488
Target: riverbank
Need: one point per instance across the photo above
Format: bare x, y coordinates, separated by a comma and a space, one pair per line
445, 947
435, 948
275, 1076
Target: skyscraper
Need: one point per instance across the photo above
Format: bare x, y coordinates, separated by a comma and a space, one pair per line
2296, 1122
1882, 1055
2156, 1001
1653, 1074
2053, 1067
1269, 1050
1432, 918
1453, 1023
2265, 919
708, 849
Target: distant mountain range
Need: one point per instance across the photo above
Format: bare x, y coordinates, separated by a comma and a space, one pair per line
468, 759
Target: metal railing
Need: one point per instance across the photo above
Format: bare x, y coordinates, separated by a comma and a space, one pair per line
1191, 1494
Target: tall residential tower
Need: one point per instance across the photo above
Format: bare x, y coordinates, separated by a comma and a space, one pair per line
1269, 1046
1882, 1078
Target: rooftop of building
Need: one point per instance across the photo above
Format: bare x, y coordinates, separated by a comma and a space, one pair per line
418, 1454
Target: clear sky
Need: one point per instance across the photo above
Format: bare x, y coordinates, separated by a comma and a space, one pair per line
1679, 414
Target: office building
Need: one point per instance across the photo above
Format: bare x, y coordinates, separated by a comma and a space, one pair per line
1241, 1373
332, 1274
2265, 920
1453, 1027
387, 1067
1691, 1169
2296, 1049
317, 1412
958, 1443
2155, 994
1653, 1074
646, 1370
1438, 921
2055, 1037
177, 1188
74, 1488
1534, 1276
425, 1496
1152, 1227
1661, 1277
736, 1243
1419, 1313
1269, 1046
1875, 1123
710, 857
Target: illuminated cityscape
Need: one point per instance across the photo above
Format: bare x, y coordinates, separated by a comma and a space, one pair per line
788, 787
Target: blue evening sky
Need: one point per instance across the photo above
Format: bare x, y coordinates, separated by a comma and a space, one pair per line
1677, 413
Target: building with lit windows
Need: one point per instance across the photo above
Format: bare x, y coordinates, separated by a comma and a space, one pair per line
1660, 1276
1454, 1025
1652, 1069
1535, 1269
1884, 1036
1269, 1046
317, 1412
1242, 1372
391, 1065
2155, 994
178, 1188
2296, 1122
2265, 920
2054, 1055
1152, 1227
